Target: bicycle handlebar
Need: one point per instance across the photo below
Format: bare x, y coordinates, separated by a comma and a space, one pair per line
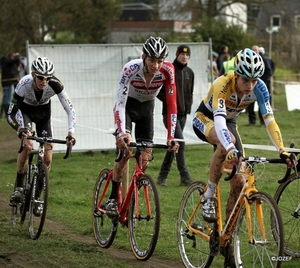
43, 140
141, 146
256, 160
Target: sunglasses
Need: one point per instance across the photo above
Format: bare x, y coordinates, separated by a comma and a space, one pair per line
42, 78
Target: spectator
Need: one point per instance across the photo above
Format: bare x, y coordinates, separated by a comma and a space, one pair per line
222, 56
272, 66
228, 65
214, 67
266, 77
184, 77
10, 66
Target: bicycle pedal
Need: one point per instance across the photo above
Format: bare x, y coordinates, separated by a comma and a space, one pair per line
12, 204
197, 226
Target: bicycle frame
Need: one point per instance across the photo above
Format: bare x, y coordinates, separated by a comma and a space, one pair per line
36, 186
243, 199
253, 234
125, 203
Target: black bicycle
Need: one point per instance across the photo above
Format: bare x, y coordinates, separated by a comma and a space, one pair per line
287, 197
36, 190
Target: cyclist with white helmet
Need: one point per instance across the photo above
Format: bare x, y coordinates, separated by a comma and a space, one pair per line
31, 104
140, 82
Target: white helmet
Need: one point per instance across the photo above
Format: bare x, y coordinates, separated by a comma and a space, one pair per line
156, 47
42, 65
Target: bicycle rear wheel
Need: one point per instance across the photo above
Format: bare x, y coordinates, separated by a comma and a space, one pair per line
287, 197
261, 252
38, 202
144, 218
194, 250
105, 229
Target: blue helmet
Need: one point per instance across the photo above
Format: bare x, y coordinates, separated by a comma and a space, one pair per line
249, 64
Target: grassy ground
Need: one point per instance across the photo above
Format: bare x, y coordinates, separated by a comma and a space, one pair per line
71, 188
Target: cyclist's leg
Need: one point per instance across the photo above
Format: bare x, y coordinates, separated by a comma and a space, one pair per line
119, 175
204, 128
44, 129
22, 161
238, 181
144, 129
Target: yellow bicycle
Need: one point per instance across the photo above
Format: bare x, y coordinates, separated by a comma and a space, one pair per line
252, 236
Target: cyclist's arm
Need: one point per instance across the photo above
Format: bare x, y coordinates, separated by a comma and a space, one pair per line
220, 113
171, 101
68, 107
66, 102
122, 96
12, 111
263, 101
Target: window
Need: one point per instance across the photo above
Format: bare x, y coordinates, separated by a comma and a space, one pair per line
275, 21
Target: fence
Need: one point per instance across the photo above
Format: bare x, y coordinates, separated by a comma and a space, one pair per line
90, 74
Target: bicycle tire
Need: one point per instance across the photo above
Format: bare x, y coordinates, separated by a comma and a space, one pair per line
144, 228
104, 228
260, 253
194, 250
38, 202
287, 197
27, 192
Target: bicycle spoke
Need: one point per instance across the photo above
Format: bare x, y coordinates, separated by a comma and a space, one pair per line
144, 218
259, 252
288, 199
38, 202
194, 249
105, 229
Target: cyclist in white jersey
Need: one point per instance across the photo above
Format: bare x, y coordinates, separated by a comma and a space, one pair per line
31, 103
141, 80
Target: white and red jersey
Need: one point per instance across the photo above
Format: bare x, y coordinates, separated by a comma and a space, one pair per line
133, 84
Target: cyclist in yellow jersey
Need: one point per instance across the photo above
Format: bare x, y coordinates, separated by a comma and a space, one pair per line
215, 123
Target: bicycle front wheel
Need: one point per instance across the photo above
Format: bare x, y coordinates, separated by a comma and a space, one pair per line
194, 249
39, 202
265, 245
27, 191
287, 197
144, 218
105, 229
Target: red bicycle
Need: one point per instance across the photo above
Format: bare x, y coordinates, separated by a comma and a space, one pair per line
139, 210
